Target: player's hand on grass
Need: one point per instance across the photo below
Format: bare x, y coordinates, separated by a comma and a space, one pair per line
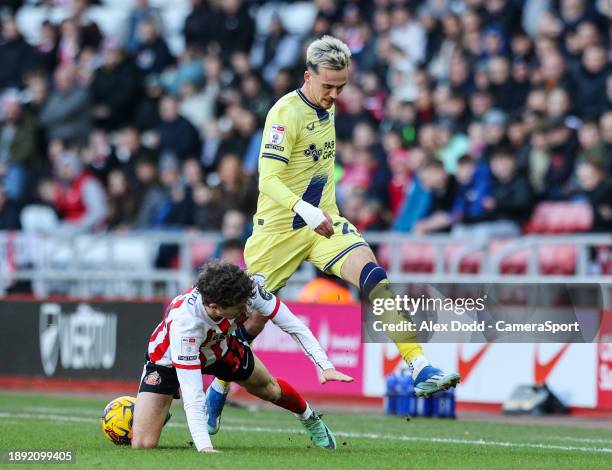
210, 450
326, 228
333, 375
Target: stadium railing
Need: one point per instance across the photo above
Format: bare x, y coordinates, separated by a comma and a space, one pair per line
127, 264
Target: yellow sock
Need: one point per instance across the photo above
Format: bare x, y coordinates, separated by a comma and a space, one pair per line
225, 386
406, 342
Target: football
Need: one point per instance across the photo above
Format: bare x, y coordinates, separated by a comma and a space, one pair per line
117, 420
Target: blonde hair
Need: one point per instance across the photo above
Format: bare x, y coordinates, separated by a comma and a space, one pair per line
328, 52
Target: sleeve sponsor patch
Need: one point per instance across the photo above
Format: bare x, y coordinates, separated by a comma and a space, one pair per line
189, 346
277, 134
274, 147
187, 358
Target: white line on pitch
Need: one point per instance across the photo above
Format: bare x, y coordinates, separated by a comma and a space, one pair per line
356, 435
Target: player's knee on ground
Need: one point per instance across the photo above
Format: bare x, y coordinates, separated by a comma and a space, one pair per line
144, 441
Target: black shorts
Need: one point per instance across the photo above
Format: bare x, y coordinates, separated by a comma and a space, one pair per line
235, 366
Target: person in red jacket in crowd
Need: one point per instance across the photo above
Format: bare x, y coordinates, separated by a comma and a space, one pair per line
78, 197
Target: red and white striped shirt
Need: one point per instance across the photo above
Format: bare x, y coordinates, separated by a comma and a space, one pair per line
189, 339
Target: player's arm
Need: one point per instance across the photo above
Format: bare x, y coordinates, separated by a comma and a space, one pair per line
271, 307
279, 137
185, 341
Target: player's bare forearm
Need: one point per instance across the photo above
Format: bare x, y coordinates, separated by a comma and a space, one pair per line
255, 324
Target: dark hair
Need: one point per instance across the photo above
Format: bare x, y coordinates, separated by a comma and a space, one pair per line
433, 162
465, 159
503, 151
224, 284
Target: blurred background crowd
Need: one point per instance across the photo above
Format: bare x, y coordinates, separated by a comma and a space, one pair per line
460, 117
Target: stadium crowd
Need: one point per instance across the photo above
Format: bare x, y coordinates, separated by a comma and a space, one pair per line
461, 115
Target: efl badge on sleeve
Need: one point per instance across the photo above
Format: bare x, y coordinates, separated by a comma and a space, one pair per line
277, 134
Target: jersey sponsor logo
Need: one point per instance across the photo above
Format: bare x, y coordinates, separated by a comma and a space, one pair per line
153, 378
310, 126
312, 152
277, 134
187, 358
189, 346
328, 151
274, 147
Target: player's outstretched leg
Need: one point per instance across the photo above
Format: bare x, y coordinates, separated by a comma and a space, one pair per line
215, 401
281, 393
362, 270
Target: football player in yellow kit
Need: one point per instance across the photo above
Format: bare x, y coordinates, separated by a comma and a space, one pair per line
297, 217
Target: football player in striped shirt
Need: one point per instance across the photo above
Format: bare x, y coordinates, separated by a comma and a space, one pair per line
198, 337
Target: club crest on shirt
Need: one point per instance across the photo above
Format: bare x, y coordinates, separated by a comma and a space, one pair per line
153, 378
277, 134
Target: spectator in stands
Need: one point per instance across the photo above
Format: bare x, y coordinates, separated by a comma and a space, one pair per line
256, 96
129, 148
443, 189
9, 211
142, 11
176, 134
559, 103
508, 95
150, 196
78, 197
121, 201
473, 187
275, 50
67, 111
353, 112
152, 54
176, 210
238, 191
99, 155
17, 57
562, 147
18, 146
188, 68
70, 43
605, 124
234, 29
232, 251
47, 46
199, 24
496, 122
591, 145
115, 88
90, 32
597, 188
208, 209
512, 196
364, 214
591, 86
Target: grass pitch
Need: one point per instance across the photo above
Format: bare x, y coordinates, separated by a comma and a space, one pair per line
273, 439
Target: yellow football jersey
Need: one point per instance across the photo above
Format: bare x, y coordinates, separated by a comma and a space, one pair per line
296, 160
